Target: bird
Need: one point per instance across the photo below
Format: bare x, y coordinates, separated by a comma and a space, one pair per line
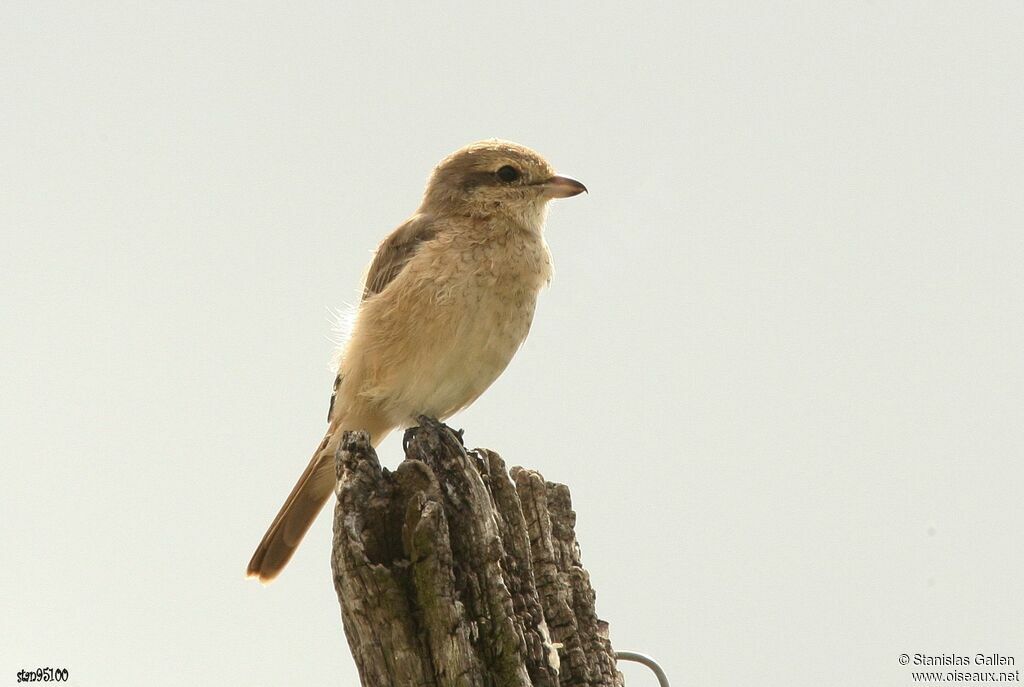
448, 299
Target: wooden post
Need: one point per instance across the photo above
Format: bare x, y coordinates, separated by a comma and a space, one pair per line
452, 571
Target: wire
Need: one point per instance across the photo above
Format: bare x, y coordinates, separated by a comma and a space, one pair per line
647, 661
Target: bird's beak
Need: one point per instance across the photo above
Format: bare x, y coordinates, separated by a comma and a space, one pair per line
562, 187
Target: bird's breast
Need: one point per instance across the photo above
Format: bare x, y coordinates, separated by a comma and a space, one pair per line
469, 311
495, 291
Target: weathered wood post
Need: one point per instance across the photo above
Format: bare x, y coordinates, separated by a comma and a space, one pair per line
452, 571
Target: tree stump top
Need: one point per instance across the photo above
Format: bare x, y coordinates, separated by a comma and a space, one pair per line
454, 571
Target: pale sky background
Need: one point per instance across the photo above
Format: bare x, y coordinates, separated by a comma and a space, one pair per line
780, 365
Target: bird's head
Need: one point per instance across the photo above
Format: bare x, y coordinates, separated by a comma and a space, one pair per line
496, 177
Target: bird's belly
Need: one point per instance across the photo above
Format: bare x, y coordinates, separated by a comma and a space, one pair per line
470, 345
490, 335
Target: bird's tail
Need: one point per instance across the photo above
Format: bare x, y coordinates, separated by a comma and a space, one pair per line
309, 495
297, 514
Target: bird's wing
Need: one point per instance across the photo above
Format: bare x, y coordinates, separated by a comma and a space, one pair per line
395, 251
392, 255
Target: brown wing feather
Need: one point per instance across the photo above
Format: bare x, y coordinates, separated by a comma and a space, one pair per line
392, 255
395, 252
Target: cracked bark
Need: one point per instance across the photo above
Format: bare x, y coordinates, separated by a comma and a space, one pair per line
453, 572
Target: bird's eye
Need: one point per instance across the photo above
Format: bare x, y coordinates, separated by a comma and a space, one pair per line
508, 174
